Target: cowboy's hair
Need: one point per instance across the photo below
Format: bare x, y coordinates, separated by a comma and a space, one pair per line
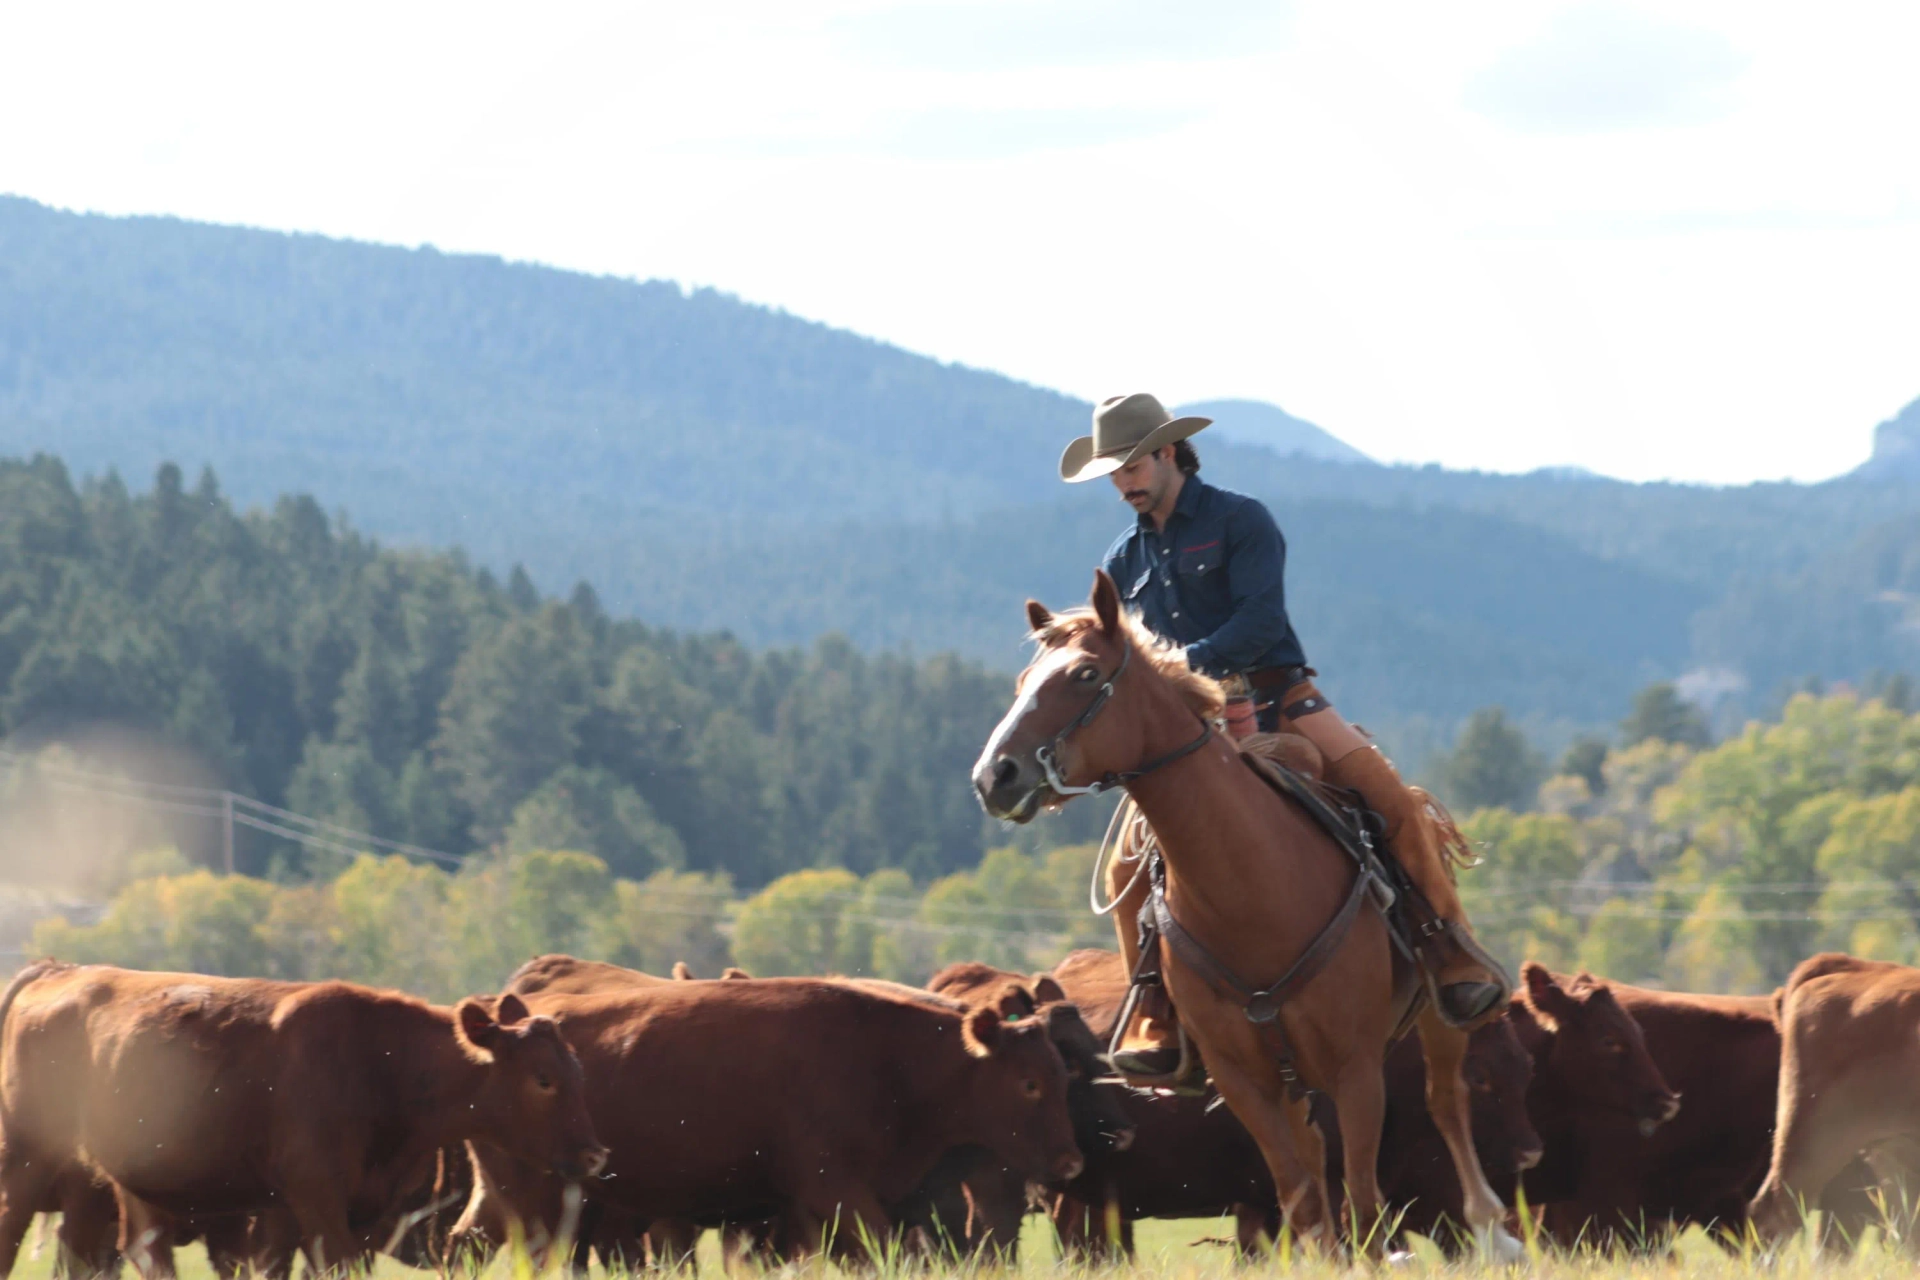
1185, 458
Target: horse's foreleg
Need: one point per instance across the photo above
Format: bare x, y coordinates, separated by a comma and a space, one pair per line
1292, 1148
1360, 1099
1445, 1049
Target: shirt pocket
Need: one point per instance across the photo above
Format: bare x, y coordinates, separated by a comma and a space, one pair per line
1199, 563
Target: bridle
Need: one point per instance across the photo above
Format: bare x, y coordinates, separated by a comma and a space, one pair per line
1047, 755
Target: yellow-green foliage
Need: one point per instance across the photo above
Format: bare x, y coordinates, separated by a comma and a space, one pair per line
393, 923
1717, 869
418, 927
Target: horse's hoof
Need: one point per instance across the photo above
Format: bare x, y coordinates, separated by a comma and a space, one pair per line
1497, 1244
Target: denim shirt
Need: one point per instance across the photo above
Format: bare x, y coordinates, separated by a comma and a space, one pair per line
1214, 581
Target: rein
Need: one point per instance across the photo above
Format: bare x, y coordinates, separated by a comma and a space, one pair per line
1048, 755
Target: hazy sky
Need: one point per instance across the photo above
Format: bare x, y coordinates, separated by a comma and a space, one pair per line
1675, 240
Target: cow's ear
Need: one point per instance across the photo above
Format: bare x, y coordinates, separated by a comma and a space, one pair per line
1549, 1003
682, 971
981, 1031
1048, 991
509, 1009
1016, 1004
1039, 617
1106, 603
474, 1024
731, 974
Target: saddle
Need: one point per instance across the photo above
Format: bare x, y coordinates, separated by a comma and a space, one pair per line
1378, 880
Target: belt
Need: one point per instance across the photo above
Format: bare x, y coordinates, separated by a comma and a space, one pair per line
1279, 679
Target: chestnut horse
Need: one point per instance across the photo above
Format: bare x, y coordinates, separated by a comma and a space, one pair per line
1256, 882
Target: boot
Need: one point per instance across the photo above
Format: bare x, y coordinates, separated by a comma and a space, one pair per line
1150, 1048
1470, 988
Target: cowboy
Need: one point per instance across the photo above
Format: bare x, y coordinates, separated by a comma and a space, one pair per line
1205, 568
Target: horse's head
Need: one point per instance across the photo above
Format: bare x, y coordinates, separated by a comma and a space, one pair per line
1061, 737
1055, 718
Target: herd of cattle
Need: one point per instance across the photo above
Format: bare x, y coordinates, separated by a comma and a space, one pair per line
626, 1113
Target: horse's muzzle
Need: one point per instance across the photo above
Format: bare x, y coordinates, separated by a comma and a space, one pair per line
1010, 788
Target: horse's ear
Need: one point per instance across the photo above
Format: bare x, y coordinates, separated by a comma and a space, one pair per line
1038, 616
1106, 603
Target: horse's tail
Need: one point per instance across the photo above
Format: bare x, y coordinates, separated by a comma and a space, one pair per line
1455, 851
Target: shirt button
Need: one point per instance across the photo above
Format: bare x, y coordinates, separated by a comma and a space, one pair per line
1176, 613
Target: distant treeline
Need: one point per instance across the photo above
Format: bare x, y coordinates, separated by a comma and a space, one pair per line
1661, 858
412, 696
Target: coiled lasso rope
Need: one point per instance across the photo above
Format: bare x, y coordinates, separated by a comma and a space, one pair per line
1128, 828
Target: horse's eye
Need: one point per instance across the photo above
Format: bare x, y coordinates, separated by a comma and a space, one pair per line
1087, 675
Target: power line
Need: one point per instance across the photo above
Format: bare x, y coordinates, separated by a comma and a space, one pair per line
230, 807
1616, 900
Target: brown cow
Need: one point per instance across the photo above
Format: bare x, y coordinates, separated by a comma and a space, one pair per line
979, 985
1187, 1161
1615, 1171
1848, 1062
973, 1202
1099, 1123
214, 1096
1096, 981
817, 1101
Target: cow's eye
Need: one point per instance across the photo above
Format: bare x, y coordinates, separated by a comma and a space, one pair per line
1087, 674
1031, 1088
544, 1083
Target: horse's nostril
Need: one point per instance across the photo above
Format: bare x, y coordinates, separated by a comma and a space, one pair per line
1005, 770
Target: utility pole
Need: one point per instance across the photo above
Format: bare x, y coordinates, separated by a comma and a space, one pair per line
226, 828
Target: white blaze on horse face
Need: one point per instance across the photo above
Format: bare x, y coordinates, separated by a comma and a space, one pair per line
1035, 677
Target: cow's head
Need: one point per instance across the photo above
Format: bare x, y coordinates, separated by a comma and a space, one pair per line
1498, 1070
1099, 1121
1598, 1054
1018, 1096
532, 1102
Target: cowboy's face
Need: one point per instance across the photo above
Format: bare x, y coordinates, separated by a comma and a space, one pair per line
1143, 484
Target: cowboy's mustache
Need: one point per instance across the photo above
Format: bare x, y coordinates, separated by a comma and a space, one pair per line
1131, 494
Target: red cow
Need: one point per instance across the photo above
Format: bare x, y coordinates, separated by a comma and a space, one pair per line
204, 1096
1850, 1052
816, 1101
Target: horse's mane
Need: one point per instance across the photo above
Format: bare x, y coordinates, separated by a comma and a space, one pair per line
1203, 693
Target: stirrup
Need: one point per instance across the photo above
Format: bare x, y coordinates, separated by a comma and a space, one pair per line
1128, 1008
1187, 1078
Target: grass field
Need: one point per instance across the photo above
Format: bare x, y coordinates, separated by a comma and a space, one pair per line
1199, 1249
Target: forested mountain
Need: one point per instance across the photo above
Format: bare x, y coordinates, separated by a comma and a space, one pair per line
410, 695
710, 464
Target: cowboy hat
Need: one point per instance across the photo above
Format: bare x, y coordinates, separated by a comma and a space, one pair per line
1125, 429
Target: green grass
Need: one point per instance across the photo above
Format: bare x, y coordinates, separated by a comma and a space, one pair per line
1200, 1249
